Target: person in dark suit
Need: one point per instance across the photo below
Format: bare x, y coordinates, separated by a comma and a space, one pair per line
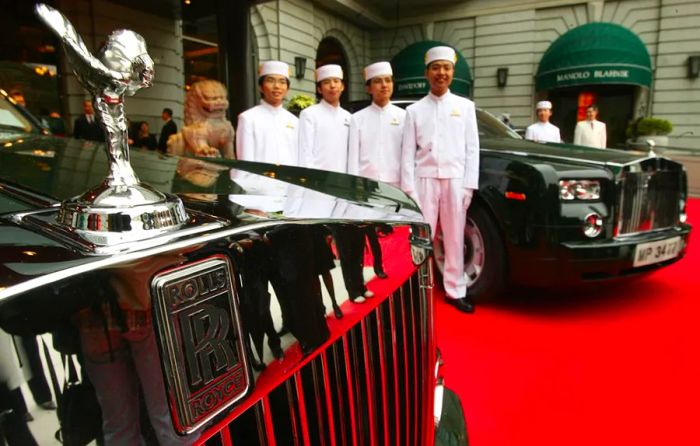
169, 128
144, 138
86, 126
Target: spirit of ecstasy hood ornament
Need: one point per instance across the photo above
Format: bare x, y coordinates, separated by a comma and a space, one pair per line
121, 208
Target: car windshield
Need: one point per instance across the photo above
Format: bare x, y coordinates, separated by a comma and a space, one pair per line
492, 127
13, 119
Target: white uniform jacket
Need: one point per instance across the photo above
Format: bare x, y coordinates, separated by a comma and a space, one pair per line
323, 137
441, 140
591, 133
267, 134
543, 132
374, 149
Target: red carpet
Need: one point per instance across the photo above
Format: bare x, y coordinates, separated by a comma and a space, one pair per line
613, 365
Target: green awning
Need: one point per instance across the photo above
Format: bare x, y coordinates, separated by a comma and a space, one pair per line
409, 71
596, 53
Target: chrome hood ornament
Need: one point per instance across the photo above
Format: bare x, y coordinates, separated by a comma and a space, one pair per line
121, 208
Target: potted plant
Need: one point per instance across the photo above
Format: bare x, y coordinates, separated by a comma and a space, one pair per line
299, 102
643, 130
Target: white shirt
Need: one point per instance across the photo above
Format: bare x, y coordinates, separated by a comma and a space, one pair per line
374, 148
591, 133
543, 132
441, 140
323, 137
268, 134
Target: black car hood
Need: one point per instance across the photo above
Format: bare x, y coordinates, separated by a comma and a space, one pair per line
37, 172
561, 153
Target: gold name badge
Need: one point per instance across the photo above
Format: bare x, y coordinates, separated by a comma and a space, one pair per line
395, 122
455, 112
290, 125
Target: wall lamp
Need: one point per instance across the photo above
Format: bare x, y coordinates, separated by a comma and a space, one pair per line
299, 67
693, 67
502, 76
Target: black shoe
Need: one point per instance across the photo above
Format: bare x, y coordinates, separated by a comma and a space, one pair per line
28, 417
381, 274
48, 405
463, 304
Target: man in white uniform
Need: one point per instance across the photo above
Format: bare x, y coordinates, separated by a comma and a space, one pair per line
323, 127
376, 131
591, 132
374, 147
543, 130
267, 132
440, 165
323, 144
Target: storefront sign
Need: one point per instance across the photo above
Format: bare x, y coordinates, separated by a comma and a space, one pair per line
593, 75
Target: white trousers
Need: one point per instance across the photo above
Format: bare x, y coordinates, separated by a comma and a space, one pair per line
441, 199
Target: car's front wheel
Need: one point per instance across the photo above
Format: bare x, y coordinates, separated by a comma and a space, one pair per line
484, 255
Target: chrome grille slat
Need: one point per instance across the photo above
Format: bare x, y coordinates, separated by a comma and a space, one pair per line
339, 391
351, 398
328, 400
395, 357
319, 400
369, 387
269, 436
291, 399
382, 376
301, 401
415, 422
370, 405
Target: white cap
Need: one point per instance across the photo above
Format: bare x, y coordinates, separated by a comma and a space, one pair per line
327, 71
440, 53
377, 69
273, 67
543, 105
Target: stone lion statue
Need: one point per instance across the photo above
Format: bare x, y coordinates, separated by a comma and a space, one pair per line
206, 132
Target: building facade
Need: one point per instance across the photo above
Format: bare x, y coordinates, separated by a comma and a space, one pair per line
515, 36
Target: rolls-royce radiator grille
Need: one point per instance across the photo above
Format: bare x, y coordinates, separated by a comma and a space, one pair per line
649, 200
366, 387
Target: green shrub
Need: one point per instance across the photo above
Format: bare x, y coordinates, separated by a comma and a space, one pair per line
299, 102
649, 127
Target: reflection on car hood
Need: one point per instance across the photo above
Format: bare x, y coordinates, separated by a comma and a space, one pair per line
256, 196
61, 168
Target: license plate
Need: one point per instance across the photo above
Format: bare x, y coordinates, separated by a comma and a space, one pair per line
655, 252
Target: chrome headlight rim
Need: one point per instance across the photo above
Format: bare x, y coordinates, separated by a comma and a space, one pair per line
593, 225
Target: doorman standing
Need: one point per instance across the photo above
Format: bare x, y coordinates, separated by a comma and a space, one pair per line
543, 130
374, 148
440, 165
591, 132
323, 144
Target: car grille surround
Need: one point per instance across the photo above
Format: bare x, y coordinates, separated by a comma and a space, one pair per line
649, 196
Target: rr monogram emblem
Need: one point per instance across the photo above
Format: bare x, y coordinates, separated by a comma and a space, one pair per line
204, 333
201, 341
